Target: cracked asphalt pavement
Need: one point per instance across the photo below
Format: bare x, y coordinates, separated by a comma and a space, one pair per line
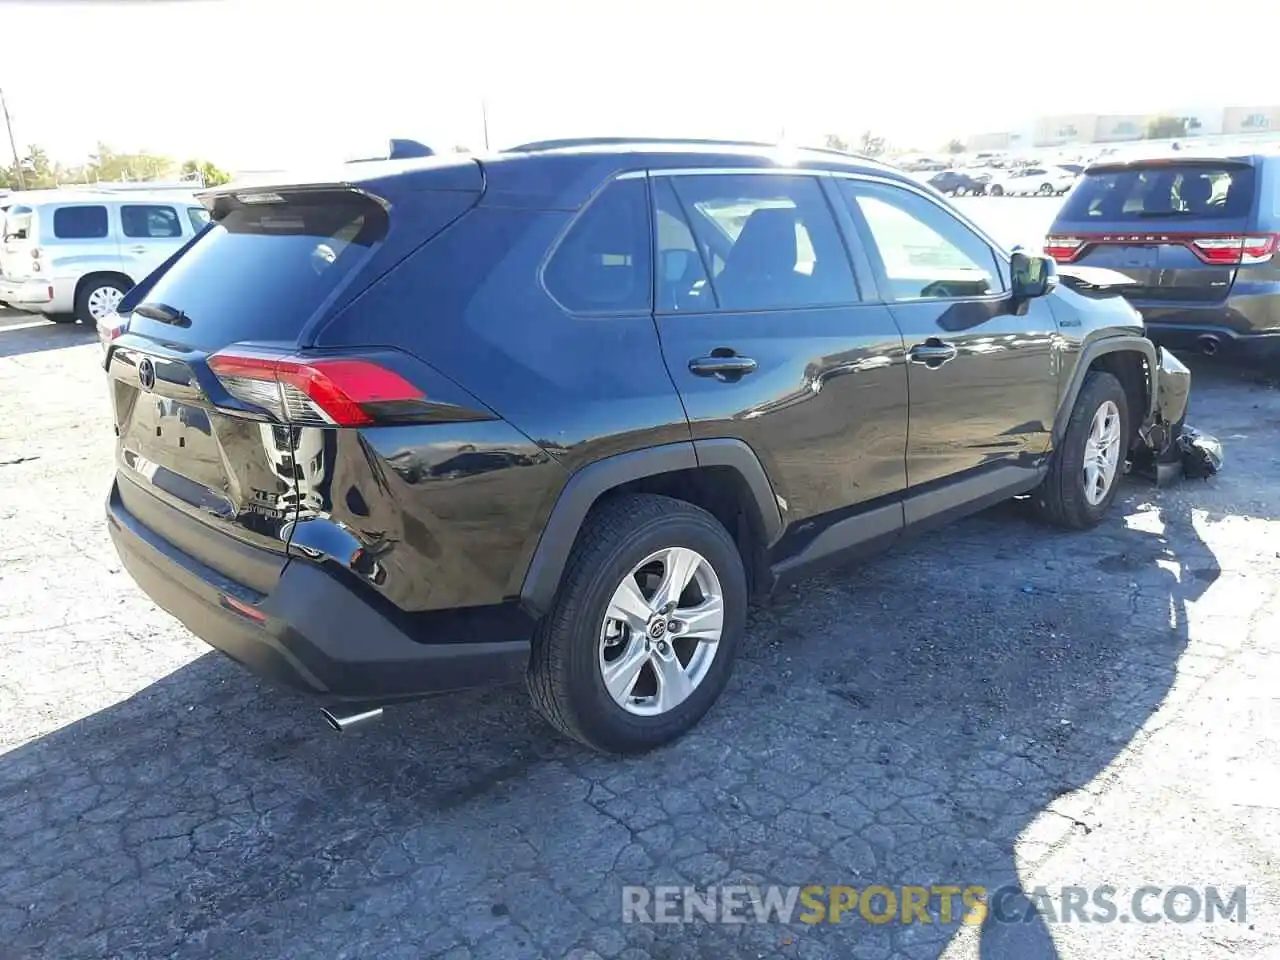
992, 704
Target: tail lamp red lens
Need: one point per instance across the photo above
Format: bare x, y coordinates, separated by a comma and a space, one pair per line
321, 391
1228, 250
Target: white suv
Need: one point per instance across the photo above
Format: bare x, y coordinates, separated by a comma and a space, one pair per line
72, 254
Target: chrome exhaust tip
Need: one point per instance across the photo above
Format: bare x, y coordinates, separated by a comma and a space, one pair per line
1208, 345
343, 721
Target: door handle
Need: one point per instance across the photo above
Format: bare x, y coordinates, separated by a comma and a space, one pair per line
138, 249
933, 353
723, 364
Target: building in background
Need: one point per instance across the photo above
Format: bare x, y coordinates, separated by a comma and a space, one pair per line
1119, 128
1242, 120
1062, 130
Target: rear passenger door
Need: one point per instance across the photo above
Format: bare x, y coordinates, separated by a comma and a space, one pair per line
149, 235
769, 340
983, 369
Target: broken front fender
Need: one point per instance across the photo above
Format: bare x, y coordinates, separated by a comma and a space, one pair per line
1173, 388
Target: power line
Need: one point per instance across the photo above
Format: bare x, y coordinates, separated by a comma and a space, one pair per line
17, 164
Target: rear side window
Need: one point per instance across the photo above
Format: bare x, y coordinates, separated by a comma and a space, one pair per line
263, 269
148, 221
603, 264
198, 216
1164, 191
80, 223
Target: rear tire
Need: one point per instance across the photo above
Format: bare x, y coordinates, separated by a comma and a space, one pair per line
571, 647
1070, 495
1046, 190
997, 191
96, 298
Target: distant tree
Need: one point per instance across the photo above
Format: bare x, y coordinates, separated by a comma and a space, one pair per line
871, 145
1167, 128
955, 146
210, 174
836, 142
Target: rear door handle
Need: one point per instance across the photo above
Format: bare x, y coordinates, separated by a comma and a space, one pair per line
933, 353
137, 249
725, 366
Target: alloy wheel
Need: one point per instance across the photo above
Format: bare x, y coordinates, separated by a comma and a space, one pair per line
1102, 453
660, 632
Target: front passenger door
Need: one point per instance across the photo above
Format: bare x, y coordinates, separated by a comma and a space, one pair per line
983, 369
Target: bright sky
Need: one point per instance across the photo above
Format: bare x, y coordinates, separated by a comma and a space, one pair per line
268, 83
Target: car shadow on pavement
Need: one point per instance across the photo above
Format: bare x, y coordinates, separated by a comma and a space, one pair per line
22, 333
907, 721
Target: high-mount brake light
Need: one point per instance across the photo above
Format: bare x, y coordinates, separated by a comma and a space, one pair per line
259, 198
319, 391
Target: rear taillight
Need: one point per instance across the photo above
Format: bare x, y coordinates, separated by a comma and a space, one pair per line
109, 328
321, 391
1234, 250
1063, 249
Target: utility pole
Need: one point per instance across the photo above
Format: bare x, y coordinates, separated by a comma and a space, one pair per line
484, 117
17, 164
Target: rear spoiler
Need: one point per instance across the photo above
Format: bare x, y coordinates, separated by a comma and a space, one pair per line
1167, 160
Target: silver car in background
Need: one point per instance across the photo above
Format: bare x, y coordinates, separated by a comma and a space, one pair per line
73, 253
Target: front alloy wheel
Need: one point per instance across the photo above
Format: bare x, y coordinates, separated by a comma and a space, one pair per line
1102, 453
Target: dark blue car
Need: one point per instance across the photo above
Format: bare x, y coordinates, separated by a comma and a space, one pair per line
1198, 237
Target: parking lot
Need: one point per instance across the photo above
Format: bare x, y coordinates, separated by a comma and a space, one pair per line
994, 704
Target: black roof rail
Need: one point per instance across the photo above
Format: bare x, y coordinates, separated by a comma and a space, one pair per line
570, 142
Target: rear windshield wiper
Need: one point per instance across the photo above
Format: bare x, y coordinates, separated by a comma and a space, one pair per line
1156, 214
163, 313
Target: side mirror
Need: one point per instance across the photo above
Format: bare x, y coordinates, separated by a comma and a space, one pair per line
1033, 276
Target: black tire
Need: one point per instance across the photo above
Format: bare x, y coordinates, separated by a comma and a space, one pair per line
997, 191
1060, 498
564, 676
86, 290
1046, 190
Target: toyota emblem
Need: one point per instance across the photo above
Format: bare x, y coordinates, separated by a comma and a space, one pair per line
146, 373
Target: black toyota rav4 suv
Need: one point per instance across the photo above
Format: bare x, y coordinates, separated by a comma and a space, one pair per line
558, 413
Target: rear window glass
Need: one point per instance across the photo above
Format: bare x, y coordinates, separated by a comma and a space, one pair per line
1167, 191
80, 223
148, 221
262, 270
17, 223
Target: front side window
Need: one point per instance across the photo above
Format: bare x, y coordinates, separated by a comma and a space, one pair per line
80, 223
925, 252
770, 241
149, 222
603, 263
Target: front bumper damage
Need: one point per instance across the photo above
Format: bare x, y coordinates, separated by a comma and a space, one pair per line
1168, 449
